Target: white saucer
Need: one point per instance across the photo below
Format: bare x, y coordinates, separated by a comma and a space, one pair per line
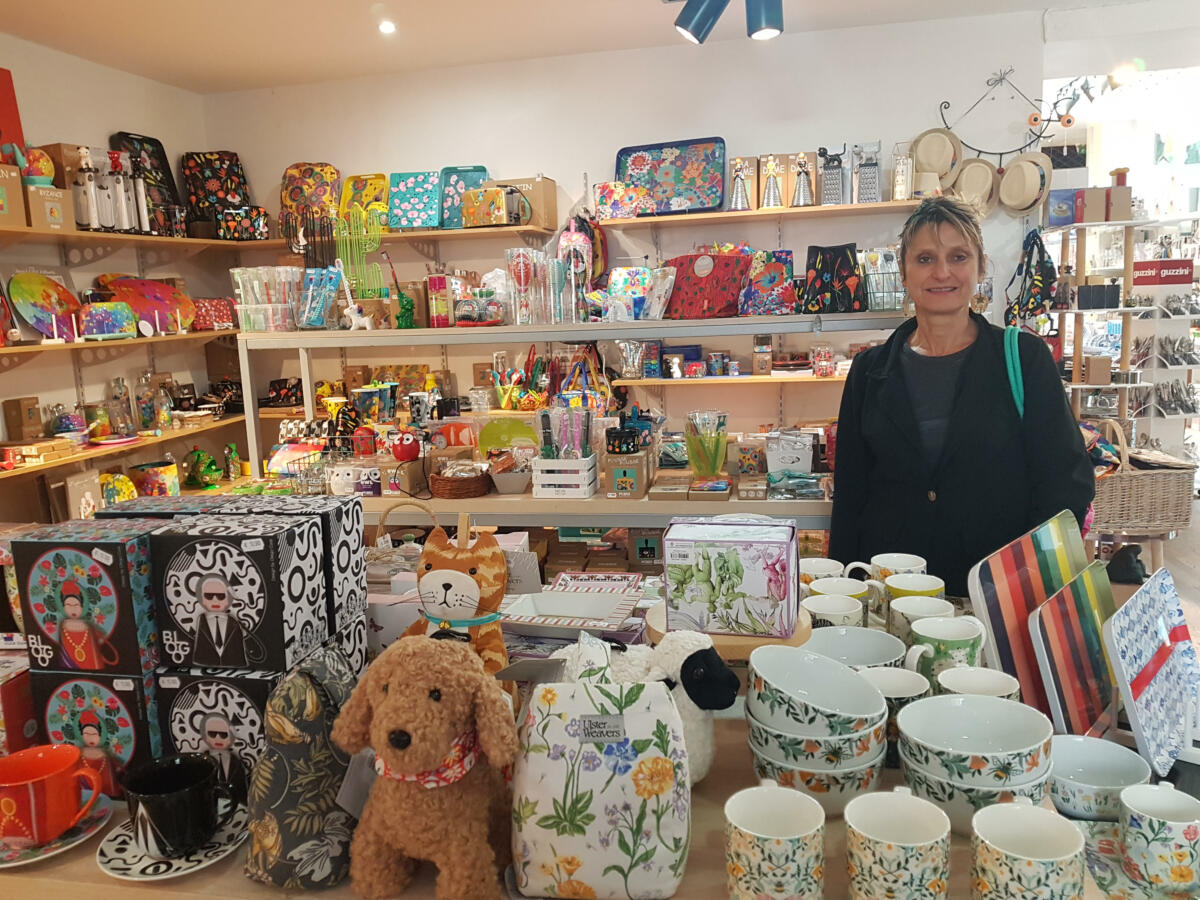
89, 825
118, 854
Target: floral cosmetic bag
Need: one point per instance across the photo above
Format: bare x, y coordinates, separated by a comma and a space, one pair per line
601, 801
769, 290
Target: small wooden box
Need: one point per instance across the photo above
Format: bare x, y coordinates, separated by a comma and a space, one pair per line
49, 208
22, 419
569, 479
1097, 370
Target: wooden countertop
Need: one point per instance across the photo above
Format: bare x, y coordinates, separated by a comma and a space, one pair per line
75, 874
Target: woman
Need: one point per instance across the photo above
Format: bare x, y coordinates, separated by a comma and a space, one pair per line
932, 455
95, 753
82, 646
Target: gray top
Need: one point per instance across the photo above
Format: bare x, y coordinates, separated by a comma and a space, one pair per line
931, 383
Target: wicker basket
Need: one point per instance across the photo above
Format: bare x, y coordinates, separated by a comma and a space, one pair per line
446, 487
1141, 501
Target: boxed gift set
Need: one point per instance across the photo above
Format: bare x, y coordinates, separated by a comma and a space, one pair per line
240, 591
163, 507
86, 595
113, 719
731, 577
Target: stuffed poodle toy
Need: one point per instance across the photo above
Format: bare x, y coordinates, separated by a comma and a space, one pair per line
696, 675
442, 730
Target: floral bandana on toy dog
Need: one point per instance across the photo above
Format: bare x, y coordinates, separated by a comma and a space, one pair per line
454, 767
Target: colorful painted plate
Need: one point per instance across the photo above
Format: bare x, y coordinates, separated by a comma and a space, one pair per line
87, 827
1014, 581
119, 855
102, 321
40, 300
175, 309
1070, 652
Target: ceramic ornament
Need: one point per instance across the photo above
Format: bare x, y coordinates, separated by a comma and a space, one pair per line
46, 304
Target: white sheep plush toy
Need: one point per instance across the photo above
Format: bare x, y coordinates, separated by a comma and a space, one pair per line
698, 679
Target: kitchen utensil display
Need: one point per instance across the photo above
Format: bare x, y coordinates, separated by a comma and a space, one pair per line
681, 176
44, 303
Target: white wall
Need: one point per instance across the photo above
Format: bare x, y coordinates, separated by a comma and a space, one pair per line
1163, 33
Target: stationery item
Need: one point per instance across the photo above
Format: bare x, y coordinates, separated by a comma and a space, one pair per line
119, 855
414, 200
1011, 583
681, 176
173, 804
455, 181
621, 200
833, 281
40, 794
706, 286
774, 843
1160, 826
310, 186
1025, 850
896, 845
45, 302
156, 174
1067, 641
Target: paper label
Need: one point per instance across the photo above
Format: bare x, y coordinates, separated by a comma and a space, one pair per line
384, 541
356, 786
604, 729
168, 681
253, 544
102, 556
684, 554
123, 684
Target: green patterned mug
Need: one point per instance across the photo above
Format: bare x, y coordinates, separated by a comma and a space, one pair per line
941, 642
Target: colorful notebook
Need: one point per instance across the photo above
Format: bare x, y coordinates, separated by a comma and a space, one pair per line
1066, 632
1014, 581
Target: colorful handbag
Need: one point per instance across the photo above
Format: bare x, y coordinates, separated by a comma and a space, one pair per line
833, 282
456, 180
1039, 281
414, 200
299, 835
769, 291
619, 200
310, 185
707, 286
160, 183
213, 181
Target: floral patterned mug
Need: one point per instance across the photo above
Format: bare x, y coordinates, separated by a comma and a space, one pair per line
942, 642
1160, 829
774, 844
1022, 850
897, 845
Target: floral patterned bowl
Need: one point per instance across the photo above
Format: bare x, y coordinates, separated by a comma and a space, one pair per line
821, 754
799, 692
976, 740
960, 801
1089, 775
832, 789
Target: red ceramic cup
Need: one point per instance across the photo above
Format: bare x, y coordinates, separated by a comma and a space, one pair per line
40, 794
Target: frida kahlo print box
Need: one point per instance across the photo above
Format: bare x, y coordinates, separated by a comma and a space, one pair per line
240, 592
85, 596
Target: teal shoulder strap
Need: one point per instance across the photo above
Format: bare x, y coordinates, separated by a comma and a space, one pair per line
1012, 362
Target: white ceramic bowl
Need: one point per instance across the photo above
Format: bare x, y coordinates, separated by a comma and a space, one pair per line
832, 789
855, 646
976, 740
818, 753
960, 801
796, 691
1089, 775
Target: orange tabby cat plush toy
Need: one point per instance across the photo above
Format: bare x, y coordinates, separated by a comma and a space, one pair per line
461, 586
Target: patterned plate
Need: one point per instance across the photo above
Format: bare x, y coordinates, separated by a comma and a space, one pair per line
1104, 861
88, 826
1014, 581
40, 300
119, 856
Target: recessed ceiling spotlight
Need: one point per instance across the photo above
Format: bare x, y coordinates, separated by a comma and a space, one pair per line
387, 26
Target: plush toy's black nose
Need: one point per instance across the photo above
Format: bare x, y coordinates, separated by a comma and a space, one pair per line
400, 739
447, 586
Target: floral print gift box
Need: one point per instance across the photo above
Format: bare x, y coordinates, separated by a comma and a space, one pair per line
601, 803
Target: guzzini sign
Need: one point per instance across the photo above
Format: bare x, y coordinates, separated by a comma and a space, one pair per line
1163, 271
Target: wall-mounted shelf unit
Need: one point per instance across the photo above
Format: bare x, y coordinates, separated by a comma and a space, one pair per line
774, 214
728, 381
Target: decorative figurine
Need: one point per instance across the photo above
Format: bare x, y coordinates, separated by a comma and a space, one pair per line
739, 199
803, 194
772, 193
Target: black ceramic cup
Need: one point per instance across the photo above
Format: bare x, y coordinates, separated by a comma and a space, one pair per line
173, 804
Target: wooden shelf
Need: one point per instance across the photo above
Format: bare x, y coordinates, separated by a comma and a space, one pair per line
728, 380
10, 234
496, 232
191, 336
1083, 226
765, 215
175, 434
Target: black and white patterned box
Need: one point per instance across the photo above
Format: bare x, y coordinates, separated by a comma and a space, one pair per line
352, 641
342, 532
240, 592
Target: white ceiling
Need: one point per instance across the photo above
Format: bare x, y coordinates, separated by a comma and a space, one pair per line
229, 45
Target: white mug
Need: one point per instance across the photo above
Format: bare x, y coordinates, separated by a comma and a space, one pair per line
856, 647
869, 592
881, 567
897, 845
905, 610
978, 680
810, 568
833, 609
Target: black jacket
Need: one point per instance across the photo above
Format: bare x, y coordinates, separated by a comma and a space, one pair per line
998, 477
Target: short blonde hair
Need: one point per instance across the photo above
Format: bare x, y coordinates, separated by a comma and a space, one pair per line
937, 211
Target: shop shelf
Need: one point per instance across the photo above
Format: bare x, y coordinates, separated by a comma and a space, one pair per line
775, 214
728, 380
175, 434
519, 232
202, 337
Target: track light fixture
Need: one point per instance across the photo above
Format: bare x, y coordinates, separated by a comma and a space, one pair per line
764, 19
698, 17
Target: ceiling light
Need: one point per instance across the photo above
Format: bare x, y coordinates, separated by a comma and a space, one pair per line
698, 18
1123, 74
764, 19
387, 26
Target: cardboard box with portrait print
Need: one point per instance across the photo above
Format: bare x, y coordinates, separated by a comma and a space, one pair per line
240, 592
221, 712
112, 718
345, 568
86, 597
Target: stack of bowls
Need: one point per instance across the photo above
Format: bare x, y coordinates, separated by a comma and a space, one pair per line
1089, 775
965, 752
815, 725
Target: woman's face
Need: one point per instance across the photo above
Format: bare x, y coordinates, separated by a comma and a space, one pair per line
73, 607
90, 735
941, 270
